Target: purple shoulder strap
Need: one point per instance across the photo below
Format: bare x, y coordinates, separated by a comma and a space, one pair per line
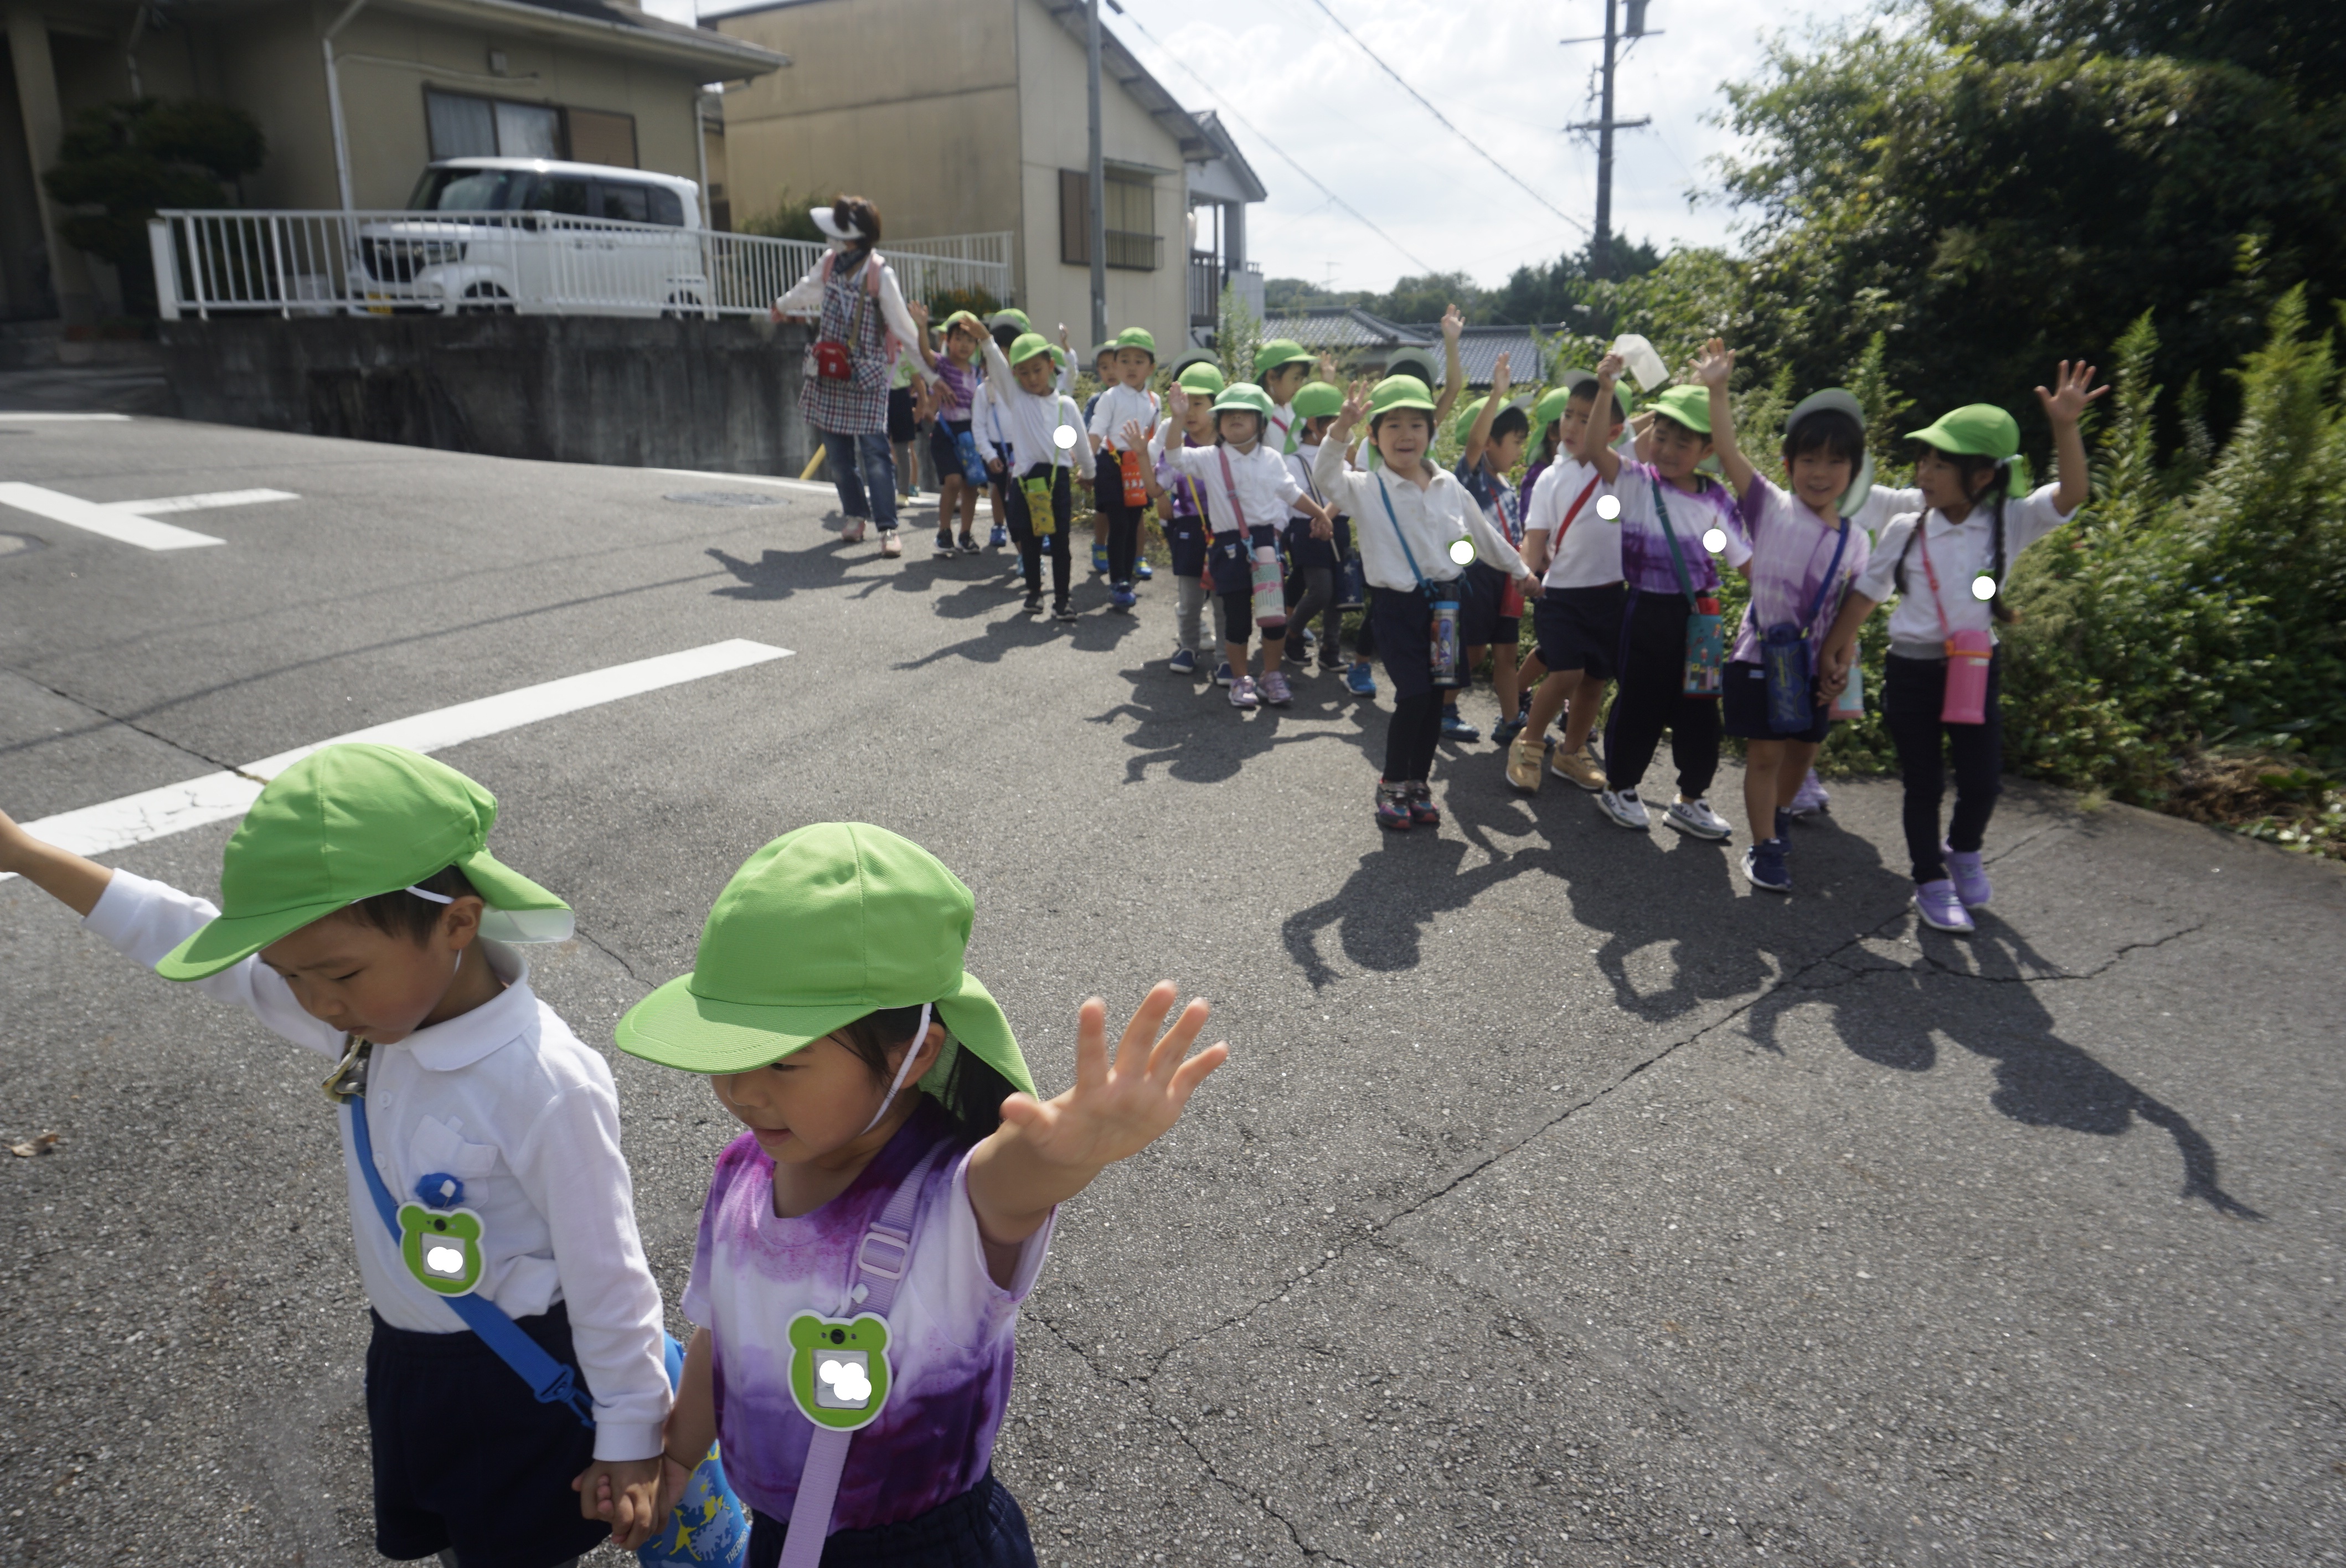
881, 1261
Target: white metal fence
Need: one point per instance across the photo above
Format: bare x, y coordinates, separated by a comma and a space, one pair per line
329, 263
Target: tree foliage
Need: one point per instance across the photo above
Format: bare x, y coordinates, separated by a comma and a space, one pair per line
122, 161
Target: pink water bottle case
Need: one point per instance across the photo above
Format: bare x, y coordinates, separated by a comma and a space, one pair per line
1968, 653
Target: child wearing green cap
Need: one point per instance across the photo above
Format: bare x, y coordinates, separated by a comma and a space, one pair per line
1673, 520
1947, 563
1419, 532
1492, 443
1312, 561
1041, 428
1280, 368
364, 918
1181, 506
1248, 490
868, 1239
1125, 401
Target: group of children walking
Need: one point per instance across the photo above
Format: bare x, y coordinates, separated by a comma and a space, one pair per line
1609, 528
866, 1240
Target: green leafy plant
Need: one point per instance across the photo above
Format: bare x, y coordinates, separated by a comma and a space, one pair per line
122, 161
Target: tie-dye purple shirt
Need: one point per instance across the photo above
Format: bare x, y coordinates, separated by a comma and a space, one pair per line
1646, 556
1790, 550
949, 1331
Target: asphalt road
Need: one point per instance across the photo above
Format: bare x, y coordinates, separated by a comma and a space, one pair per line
1562, 1202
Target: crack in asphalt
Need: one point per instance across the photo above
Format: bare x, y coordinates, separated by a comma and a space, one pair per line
2100, 969
599, 945
129, 724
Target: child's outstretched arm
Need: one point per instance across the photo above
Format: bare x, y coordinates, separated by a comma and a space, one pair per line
1595, 450
1479, 438
1453, 369
65, 876
2073, 392
1713, 367
1046, 1151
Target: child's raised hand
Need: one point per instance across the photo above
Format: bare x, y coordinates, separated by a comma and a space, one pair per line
1499, 378
1177, 401
1136, 436
1714, 364
1118, 1108
1356, 404
918, 313
1609, 368
2073, 391
1453, 324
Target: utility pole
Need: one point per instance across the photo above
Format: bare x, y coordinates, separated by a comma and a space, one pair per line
1097, 239
1600, 243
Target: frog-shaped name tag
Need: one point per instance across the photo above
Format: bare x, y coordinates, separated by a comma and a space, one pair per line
839, 1368
441, 1247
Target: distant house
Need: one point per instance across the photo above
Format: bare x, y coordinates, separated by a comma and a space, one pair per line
963, 116
354, 98
1362, 344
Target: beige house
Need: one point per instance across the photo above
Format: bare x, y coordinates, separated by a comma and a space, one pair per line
355, 96
962, 117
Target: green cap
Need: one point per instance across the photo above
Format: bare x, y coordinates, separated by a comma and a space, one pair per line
1399, 392
1277, 353
1244, 397
1202, 377
1576, 382
1975, 430
1317, 399
1009, 317
821, 927
1028, 346
1980, 430
1463, 420
1688, 405
1135, 338
961, 319
1414, 362
348, 822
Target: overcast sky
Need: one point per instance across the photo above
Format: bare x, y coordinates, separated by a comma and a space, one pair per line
1499, 74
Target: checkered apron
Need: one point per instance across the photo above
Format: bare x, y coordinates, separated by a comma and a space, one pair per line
858, 404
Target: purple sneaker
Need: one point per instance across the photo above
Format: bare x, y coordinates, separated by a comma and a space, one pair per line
1275, 689
1392, 806
1242, 693
1939, 908
1970, 878
1811, 798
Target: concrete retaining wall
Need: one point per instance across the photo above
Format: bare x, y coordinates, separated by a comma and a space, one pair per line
720, 395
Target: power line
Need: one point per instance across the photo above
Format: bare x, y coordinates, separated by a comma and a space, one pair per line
1257, 131
1438, 115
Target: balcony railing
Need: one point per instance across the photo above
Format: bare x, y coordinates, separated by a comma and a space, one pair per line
1207, 276
384, 262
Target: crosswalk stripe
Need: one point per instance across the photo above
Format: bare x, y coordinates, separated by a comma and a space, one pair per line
216, 797
8, 418
200, 503
110, 522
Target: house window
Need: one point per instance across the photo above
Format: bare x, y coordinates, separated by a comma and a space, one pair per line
1133, 243
463, 125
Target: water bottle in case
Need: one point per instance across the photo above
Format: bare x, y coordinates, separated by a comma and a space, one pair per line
1968, 653
1270, 591
1449, 656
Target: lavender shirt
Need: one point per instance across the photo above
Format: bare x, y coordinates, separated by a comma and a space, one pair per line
1790, 550
950, 1332
1645, 554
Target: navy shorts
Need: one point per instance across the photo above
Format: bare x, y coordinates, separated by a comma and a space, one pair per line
466, 1457
901, 424
1744, 707
1306, 554
1580, 628
944, 451
1402, 622
1481, 625
981, 1528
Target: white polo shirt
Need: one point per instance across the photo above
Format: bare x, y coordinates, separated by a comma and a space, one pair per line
1589, 554
1265, 485
507, 1100
1432, 519
1959, 552
1118, 406
1028, 422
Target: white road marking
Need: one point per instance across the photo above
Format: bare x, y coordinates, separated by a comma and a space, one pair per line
92, 517
200, 503
216, 797
8, 418
927, 501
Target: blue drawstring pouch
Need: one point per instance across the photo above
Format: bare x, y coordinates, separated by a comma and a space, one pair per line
709, 1528
1784, 656
973, 467
1352, 591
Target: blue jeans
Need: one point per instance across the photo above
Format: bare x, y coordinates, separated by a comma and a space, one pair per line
861, 466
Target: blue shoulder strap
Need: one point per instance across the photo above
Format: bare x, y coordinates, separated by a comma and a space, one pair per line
549, 1379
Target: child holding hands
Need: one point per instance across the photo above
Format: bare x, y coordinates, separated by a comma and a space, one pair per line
1948, 565
868, 1239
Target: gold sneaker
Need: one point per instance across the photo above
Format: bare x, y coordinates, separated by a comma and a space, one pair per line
1580, 766
1524, 759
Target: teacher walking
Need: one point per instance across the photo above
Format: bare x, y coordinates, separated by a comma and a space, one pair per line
862, 325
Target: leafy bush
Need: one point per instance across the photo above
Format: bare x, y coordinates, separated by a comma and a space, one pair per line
122, 161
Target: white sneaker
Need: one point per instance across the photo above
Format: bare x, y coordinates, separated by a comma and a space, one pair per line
1625, 808
1696, 817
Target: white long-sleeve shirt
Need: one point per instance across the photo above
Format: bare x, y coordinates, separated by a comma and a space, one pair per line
1432, 519
1028, 422
805, 299
1267, 488
507, 1100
